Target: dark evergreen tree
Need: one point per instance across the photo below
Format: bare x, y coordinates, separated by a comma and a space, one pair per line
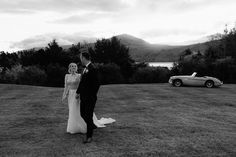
112, 51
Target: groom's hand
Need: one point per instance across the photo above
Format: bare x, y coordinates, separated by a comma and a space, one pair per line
77, 96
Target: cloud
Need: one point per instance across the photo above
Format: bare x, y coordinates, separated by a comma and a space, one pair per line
31, 6
179, 6
16, 11
157, 20
166, 32
18, 6
62, 39
83, 18
176, 36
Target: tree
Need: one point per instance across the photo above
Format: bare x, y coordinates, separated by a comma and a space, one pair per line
112, 51
74, 52
55, 54
219, 60
230, 43
8, 60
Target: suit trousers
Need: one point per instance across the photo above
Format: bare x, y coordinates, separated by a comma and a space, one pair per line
87, 108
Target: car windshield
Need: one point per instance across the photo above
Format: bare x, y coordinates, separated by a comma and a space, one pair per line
194, 74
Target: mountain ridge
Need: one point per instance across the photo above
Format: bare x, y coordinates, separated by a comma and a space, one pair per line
146, 52
143, 51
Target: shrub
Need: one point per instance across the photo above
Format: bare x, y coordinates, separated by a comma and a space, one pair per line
151, 75
225, 70
32, 75
109, 73
11, 75
55, 75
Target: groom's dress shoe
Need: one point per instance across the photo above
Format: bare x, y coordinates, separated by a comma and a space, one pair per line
88, 140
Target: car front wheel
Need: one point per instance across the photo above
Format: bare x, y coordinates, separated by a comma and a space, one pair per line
209, 84
177, 83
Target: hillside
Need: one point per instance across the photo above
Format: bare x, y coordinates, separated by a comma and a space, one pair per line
141, 50
151, 120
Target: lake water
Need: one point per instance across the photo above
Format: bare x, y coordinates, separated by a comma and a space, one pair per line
169, 65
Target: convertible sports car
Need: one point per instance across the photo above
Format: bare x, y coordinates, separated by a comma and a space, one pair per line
194, 80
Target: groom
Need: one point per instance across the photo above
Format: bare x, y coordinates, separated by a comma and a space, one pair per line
87, 90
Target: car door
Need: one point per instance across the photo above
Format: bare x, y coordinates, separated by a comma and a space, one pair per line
198, 81
187, 80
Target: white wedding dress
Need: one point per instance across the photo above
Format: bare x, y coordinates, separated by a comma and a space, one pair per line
76, 123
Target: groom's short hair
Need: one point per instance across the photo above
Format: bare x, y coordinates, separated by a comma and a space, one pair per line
86, 55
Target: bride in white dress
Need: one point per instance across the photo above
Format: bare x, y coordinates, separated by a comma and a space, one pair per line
76, 123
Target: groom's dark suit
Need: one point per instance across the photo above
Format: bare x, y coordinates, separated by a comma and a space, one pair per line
88, 89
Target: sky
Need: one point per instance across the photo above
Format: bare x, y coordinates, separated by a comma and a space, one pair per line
33, 23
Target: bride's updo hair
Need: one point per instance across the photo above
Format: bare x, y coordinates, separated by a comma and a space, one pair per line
71, 65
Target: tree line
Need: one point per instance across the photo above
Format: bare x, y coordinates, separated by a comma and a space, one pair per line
48, 66
218, 60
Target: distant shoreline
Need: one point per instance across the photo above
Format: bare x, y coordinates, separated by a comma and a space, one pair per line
169, 65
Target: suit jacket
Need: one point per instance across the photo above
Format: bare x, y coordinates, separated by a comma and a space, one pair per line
89, 83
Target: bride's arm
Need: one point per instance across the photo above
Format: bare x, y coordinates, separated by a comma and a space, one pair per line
65, 89
78, 81
78, 78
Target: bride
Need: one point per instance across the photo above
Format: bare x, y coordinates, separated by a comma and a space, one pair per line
76, 123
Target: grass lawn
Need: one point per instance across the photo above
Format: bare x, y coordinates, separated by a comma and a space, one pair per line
152, 120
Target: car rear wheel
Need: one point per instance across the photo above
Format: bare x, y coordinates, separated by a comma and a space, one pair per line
177, 83
209, 84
